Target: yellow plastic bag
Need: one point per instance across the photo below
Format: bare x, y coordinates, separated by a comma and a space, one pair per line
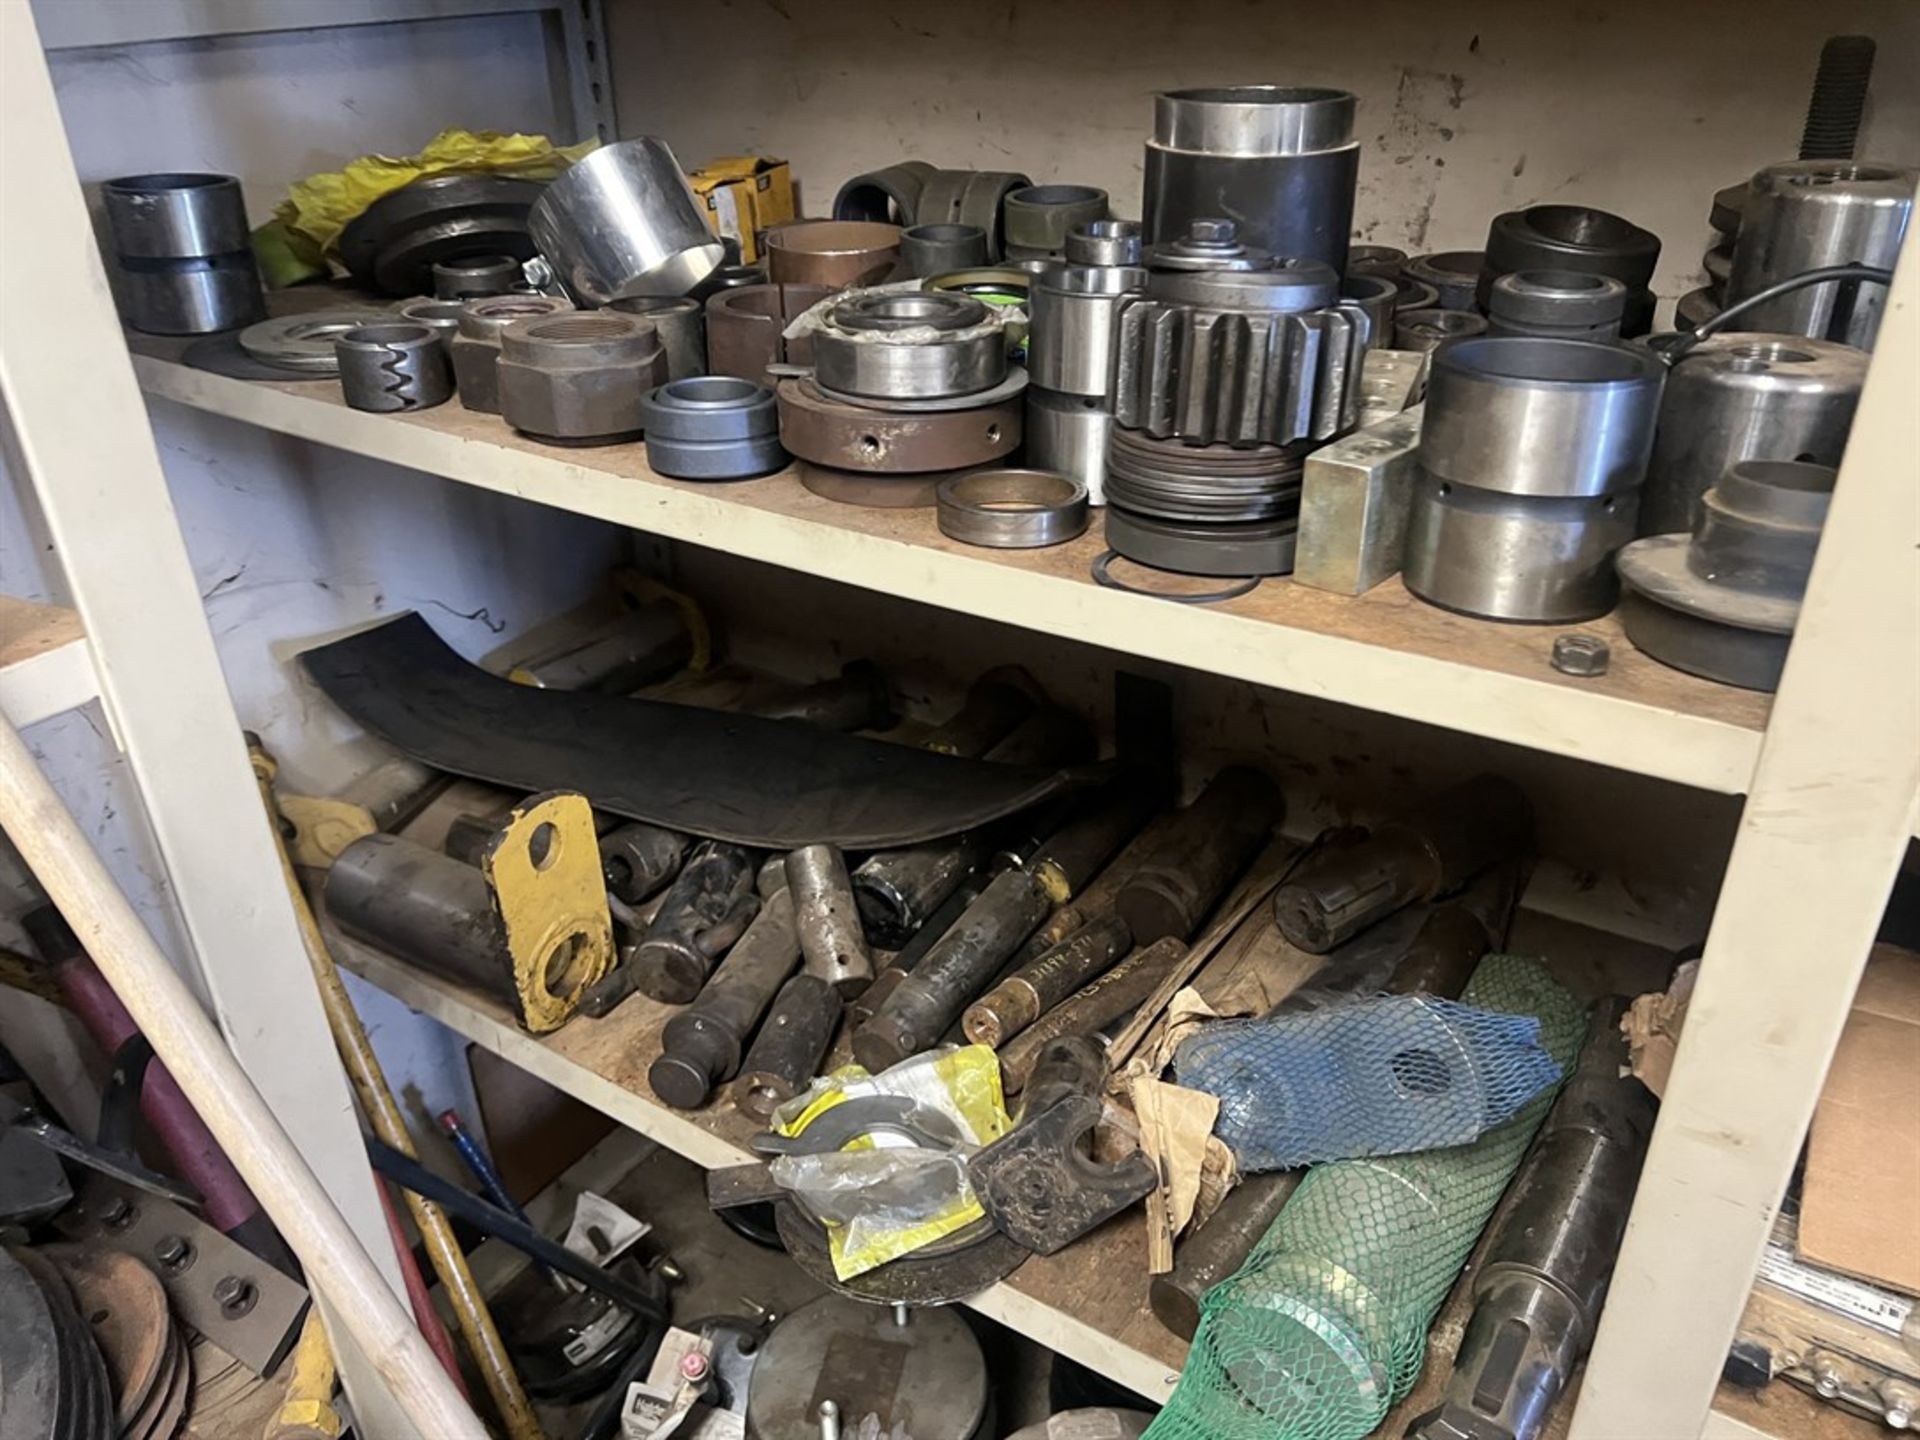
304, 234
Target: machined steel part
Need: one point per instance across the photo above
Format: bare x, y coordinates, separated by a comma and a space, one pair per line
1247, 551
638, 860
1202, 852
1036, 219
890, 194
1722, 602
1428, 329
1264, 357
935, 249
1070, 341
579, 379
1839, 98
1106, 242
623, 221
834, 253
681, 325
700, 1047
1012, 509
1218, 1247
1379, 297
712, 427
874, 491
393, 245
897, 890
477, 277
969, 197
708, 906
1415, 295
1385, 261
183, 253
746, 329
1575, 238
1070, 434
1280, 159
788, 1046
909, 345
1746, 396
476, 343
1577, 653
1355, 498
1559, 304
1037, 987
305, 342
1091, 1008
1181, 481
828, 918
843, 436
1811, 213
1453, 275
386, 368
442, 317
1208, 244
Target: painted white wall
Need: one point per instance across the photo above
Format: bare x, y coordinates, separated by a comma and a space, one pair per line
1467, 108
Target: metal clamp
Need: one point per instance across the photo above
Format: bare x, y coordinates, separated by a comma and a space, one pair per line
1012, 509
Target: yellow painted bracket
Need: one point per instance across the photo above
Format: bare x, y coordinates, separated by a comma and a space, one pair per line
543, 873
322, 827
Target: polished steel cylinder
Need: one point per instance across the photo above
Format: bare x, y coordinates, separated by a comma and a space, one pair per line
1742, 396
1069, 434
828, 918
1556, 304
681, 325
1106, 242
185, 261
385, 368
1524, 416
622, 222
1281, 160
1070, 344
1811, 213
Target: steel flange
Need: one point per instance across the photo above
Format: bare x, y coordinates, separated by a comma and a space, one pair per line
841, 436
393, 245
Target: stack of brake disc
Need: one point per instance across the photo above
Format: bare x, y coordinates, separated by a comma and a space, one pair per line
907, 388
1229, 368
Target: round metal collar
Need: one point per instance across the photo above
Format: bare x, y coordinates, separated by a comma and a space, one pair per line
1208, 245
1012, 509
892, 313
1292, 285
305, 342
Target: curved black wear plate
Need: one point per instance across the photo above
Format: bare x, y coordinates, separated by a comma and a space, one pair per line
773, 783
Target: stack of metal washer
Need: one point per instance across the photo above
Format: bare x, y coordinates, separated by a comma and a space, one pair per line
907, 387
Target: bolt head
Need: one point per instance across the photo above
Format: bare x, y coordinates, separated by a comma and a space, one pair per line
1581, 654
116, 1214
1898, 1416
694, 1366
1213, 232
235, 1295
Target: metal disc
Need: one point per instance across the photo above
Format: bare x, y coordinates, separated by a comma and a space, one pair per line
124, 1304
394, 244
305, 342
222, 355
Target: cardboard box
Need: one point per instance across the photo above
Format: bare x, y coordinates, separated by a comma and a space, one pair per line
743, 195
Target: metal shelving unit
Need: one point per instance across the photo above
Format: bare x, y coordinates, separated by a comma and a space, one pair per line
1830, 769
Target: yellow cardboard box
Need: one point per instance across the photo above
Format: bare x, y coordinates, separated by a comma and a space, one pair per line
744, 194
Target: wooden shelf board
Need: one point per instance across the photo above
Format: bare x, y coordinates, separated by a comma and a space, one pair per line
46, 666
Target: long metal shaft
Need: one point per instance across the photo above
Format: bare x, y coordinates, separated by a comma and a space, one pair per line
370, 1087
337, 1267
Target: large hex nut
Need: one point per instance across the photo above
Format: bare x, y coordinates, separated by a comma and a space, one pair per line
579, 379
476, 343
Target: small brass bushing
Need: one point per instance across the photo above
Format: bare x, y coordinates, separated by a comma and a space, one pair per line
579, 379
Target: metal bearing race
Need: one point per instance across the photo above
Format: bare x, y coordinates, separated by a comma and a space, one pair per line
393, 367
890, 194
1203, 484
476, 343
712, 427
1453, 274
1106, 242
936, 249
1208, 245
1430, 329
480, 276
833, 253
841, 436
1574, 237
968, 197
909, 345
746, 329
681, 325
579, 379
1012, 509
305, 342
1559, 304
1224, 551
1036, 219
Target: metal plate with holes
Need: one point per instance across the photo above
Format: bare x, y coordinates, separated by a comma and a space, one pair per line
543, 872
224, 1291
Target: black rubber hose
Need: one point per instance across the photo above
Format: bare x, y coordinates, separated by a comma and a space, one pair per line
1839, 98
1685, 340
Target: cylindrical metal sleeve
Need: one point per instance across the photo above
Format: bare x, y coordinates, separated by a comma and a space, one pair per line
624, 221
706, 908
833, 253
1090, 1009
638, 859
897, 890
1214, 1251
1036, 219
1070, 434
784, 1055
828, 919
1556, 304
700, 1046
681, 325
745, 325
421, 905
936, 249
1068, 859
962, 961
385, 368
1202, 851
175, 216
1070, 344
1097, 898
994, 706
1577, 238
1017, 1002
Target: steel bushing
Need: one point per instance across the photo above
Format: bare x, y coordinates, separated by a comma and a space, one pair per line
968, 197
1535, 559
909, 345
388, 368
1070, 337
936, 249
835, 253
1416, 295
1382, 260
843, 436
889, 195
1577, 238
746, 329
1563, 304
1036, 219
471, 279
712, 427
442, 317
1430, 329
1012, 509
184, 255
579, 379
476, 343
1069, 433
1454, 276
1106, 242
1378, 297
681, 325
